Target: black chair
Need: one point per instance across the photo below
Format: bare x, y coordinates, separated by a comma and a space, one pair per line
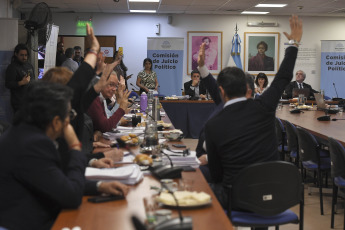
292, 142
265, 191
337, 152
281, 138
313, 158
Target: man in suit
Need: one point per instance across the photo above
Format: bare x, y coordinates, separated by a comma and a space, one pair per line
195, 88
299, 84
34, 188
243, 133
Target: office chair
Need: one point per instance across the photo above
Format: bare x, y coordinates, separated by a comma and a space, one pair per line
266, 191
313, 158
292, 142
337, 152
281, 138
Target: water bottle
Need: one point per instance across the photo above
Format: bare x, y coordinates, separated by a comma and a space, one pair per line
156, 109
143, 102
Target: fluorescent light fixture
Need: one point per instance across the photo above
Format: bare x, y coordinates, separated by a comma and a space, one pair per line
254, 12
143, 0
270, 5
143, 11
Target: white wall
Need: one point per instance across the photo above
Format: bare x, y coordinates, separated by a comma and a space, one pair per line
132, 32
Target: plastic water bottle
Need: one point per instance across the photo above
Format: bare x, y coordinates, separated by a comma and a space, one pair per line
143, 102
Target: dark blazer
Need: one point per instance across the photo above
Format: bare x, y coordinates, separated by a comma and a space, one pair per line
190, 92
293, 84
243, 133
33, 186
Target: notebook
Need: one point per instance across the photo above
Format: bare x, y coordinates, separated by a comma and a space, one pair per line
304, 91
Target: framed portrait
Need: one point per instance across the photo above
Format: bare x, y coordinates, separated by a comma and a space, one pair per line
213, 50
261, 52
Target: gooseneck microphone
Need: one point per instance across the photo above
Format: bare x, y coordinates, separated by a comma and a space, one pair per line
335, 119
336, 98
134, 87
335, 89
166, 171
179, 223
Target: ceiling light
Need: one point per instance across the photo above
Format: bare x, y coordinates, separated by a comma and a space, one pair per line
142, 11
271, 5
143, 0
254, 12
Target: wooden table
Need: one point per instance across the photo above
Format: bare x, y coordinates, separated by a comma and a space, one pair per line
117, 214
308, 120
189, 115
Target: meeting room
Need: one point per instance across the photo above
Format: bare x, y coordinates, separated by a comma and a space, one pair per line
162, 114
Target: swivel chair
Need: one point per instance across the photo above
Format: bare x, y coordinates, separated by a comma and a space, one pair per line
337, 152
262, 193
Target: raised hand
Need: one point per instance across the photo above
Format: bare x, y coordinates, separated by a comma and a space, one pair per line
201, 57
91, 39
105, 75
100, 65
296, 27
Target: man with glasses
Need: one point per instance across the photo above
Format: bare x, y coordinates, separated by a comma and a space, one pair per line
105, 116
34, 186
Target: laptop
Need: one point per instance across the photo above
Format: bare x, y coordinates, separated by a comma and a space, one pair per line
304, 91
321, 104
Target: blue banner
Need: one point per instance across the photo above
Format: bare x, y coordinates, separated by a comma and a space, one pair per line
333, 68
167, 62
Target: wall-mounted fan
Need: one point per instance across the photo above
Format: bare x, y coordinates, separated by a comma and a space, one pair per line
40, 20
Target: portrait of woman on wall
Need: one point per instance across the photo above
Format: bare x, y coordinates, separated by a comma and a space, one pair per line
261, 62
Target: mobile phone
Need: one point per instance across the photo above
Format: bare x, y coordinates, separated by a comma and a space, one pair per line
179, 146
120, 51
100, 199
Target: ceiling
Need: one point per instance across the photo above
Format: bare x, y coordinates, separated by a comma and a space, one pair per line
226, 7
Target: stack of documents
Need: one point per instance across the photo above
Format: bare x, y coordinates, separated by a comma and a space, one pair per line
178, 159
123, 131
130, 174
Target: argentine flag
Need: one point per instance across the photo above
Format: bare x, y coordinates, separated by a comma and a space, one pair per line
235, 55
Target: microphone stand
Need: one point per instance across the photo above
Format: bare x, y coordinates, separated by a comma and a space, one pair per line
179, 223
336, 98
166, 171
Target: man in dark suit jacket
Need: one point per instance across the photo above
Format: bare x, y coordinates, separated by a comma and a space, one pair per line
34, 187
299, 84
243, 133
195, 88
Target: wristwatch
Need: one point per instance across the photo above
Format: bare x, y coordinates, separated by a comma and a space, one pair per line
293, 42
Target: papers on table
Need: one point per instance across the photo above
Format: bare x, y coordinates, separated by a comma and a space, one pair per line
179, 160
130, 174
123, 131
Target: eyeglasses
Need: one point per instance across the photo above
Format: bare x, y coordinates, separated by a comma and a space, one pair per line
112, 85
72, 114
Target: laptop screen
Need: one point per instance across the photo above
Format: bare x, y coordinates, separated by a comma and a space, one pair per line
320, 101
297, 91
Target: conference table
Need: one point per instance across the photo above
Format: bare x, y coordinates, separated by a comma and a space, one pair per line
308, 120
189, 115
117, 214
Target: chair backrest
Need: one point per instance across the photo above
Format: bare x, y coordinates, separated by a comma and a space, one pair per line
267, 188
87, 139
337, 152
291, 136
308, 147
280, 131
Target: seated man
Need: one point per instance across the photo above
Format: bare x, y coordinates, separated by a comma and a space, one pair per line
102, 120
33, 185
243, 133
195, 88
299, 84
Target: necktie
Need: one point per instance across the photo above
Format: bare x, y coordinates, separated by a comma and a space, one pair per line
300, 85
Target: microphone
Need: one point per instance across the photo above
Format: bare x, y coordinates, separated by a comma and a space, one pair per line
335, 119
179, 223
136, 89
336, 98
166, 171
